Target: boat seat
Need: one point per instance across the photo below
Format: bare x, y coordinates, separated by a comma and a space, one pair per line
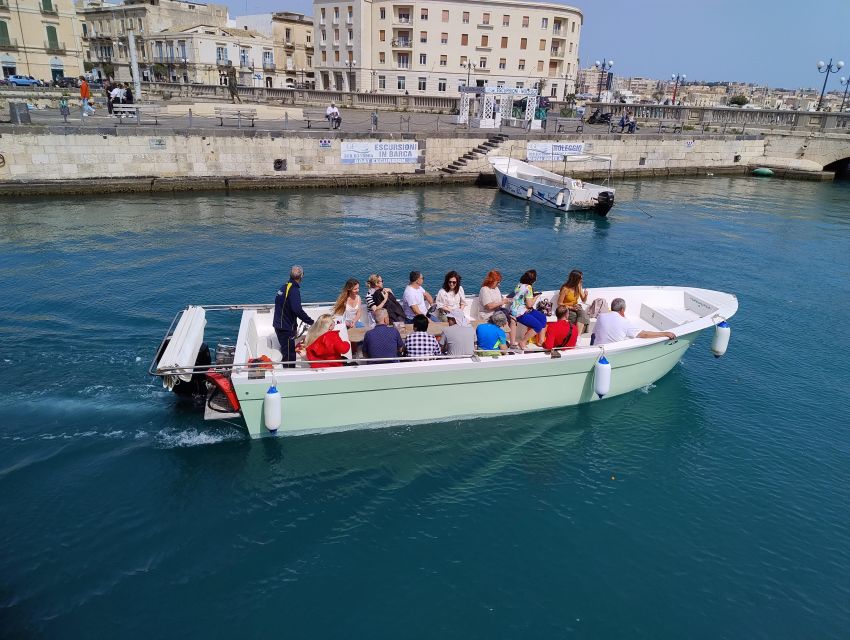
262, 345
666, 319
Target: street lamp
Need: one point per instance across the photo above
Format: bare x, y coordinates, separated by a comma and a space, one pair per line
846, 84
603, 66
567, 78
677, 78
351, 83
469, 66
827, 69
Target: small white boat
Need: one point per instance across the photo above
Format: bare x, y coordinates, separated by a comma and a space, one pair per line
308, 400
544, 187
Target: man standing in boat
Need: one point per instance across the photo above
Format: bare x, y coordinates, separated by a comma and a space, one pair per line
287, 311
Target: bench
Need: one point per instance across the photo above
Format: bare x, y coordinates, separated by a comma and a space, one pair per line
316, 116
136, 111
563, 124
674, 125
235, 113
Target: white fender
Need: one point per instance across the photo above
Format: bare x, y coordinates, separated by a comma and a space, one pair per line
602, 376
720, 342
529, 192
271, 409
559, 200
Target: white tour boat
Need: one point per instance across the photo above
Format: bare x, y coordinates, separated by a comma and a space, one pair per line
534, 184
272, 399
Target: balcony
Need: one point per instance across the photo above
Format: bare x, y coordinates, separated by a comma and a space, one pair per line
222, 62
48, 8
55, 47
308, 45
4, 4
556, 53
405, 20
289, 44
268, 66
483, 47
8, 44
485, 25
402, 43
245, 65
558, 32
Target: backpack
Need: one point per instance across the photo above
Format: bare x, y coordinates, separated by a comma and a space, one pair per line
393, 307
598, 306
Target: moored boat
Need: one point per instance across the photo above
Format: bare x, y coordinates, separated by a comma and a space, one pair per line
534, 184
315, 400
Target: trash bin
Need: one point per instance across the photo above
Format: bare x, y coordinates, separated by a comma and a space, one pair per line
18, 113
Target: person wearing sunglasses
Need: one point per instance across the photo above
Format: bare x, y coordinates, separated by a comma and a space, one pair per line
451, 297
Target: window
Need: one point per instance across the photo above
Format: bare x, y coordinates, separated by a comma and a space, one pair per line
464, 40
324, 56
466, 17
141, 28
571, 47
336, 56
445, 15
484, 40
520, 85
521, 65
444, 38
336, 36
403, 61
422, 84
482, 63
542, 44
423, 58
539, 65
220, 54
383, 13
4, 31
336, 14
523, 42
444, 61
382, 36
553, 92
351, 35
485, 18
309, 61
423, 36
504, 42
382, 57
500, 83
441, 84
544, 23
423, 15
350, 56
323, 14
506, 20
462, 60
401, 83
382, 82
573, 27
502, 63
52, 40
309, 37
525, 21
350, 15
324, 36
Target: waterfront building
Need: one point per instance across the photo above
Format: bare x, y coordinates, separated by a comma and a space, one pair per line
106, 28
201, 54
436, 46
293, 40
40, 38
588, 81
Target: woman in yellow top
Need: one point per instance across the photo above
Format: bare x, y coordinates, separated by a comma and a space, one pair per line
571, 295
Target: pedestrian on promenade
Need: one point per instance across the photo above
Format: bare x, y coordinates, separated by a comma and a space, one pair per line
85, 92
375, 120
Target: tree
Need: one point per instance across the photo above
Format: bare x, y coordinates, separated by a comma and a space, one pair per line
738, 101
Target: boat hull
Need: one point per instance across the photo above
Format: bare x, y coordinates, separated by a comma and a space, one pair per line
324, 400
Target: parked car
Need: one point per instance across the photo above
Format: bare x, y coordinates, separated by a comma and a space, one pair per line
65, 83
4, 82
22, 81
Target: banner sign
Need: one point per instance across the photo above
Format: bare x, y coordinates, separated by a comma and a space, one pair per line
379, 152
553, 151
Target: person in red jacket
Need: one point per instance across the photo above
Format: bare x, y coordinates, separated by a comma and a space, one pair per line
323, 343
561, 334
85, 92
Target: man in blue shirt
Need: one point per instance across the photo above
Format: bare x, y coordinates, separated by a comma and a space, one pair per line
491, 335
287, 311
382, 341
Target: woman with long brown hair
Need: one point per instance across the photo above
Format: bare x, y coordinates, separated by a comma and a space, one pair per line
348, 304
573, 293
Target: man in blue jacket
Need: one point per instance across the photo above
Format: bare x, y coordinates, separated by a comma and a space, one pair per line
287, 311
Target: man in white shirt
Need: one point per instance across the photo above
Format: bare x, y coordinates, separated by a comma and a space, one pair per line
415, 298
613, 326
332, 114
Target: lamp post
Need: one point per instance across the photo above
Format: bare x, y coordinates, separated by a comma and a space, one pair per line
469, 66
603, 66
827, 69
677, 78
351, 81
846, 83
567, 78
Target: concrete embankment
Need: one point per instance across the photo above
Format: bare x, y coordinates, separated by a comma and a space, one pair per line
72, 159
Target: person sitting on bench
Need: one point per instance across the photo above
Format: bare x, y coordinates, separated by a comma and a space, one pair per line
628, 123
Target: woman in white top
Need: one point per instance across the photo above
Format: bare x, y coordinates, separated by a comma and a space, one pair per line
451, 297
348, 304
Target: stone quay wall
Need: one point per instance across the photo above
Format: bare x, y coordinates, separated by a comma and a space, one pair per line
72, 159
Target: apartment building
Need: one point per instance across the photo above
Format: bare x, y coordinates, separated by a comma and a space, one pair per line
437, 46
39, 38
293, 40
106, 28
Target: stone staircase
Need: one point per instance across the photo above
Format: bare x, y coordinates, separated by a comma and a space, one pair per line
476, 153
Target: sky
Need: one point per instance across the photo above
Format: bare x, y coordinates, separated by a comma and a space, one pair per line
777, 42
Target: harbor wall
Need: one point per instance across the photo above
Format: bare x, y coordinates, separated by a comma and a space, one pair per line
75, 159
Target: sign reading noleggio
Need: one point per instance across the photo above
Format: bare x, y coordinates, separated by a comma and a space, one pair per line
379, 152
541, 151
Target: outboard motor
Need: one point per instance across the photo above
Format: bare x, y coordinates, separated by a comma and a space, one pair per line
604, 202
198, 383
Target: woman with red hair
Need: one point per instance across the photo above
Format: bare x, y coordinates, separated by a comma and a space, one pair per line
490, 299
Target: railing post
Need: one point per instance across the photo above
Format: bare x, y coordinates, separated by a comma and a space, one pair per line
190, 117
285, 120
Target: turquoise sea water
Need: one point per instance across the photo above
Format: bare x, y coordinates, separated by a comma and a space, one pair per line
714, 504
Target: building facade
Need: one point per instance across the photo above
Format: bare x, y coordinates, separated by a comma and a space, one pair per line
293, 41
106, 30
40, 38
436, 46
